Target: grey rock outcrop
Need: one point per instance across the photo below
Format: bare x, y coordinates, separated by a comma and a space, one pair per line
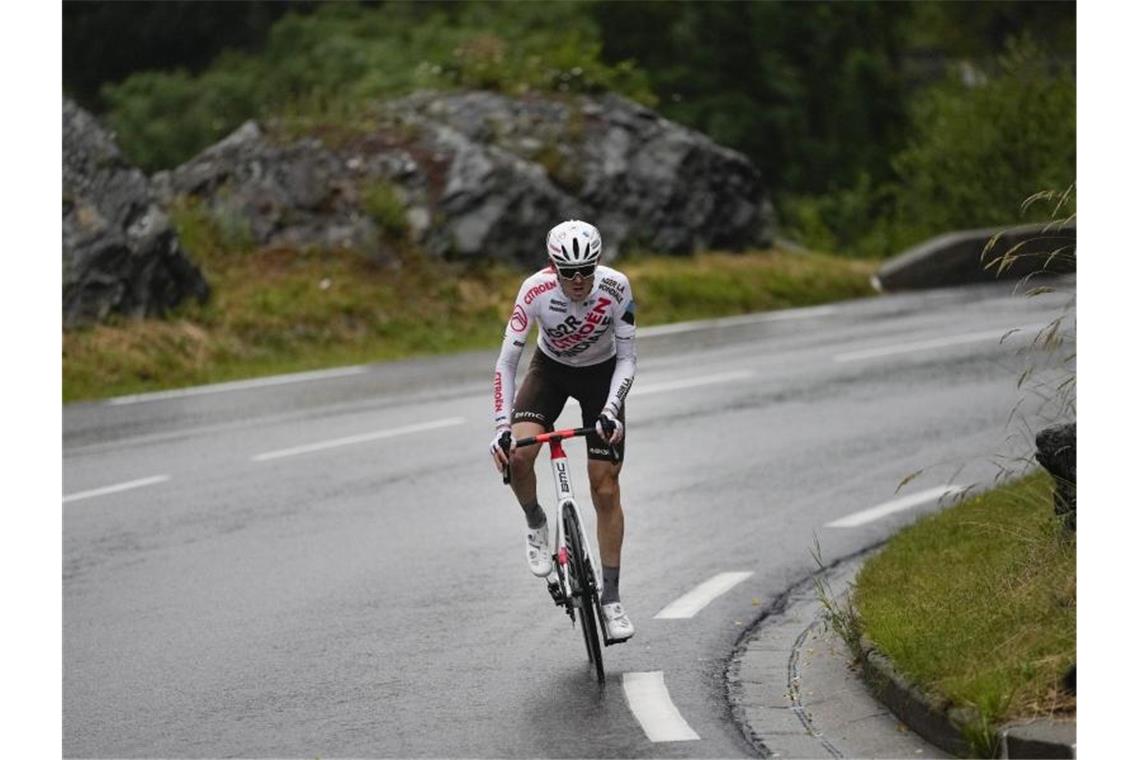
643, 180
483, 175
120, 253
296, 195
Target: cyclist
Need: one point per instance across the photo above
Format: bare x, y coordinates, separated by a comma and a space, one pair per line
586, 349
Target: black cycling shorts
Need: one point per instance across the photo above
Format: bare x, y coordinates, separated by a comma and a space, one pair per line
549, 383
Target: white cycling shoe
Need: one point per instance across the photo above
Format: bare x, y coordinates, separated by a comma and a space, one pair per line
538, 551
618, 625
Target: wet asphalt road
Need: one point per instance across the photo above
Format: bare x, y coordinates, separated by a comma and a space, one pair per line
370, 599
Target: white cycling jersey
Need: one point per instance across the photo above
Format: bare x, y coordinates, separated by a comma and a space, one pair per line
577, 334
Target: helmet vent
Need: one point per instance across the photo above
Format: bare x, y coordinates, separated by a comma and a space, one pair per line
576, 253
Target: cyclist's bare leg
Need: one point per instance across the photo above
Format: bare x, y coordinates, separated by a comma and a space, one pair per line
523, 481
605, 490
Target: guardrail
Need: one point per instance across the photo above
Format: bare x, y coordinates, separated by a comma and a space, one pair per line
967, 256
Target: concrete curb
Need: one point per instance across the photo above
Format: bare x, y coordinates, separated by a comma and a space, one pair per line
1040, 738
946, 727
921, 712
795, 692
763, 689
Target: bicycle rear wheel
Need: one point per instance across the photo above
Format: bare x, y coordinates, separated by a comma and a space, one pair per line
584, 590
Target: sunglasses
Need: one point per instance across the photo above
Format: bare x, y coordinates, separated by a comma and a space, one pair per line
568, 273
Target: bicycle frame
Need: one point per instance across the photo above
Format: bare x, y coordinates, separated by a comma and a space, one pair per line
564, 491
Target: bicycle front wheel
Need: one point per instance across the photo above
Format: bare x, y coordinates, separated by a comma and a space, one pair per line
584, 590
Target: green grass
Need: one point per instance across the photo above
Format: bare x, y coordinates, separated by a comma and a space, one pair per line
977, 603
381, 200
283, 310
675, 288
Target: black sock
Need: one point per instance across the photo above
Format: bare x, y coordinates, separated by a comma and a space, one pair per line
535, 517
610, 584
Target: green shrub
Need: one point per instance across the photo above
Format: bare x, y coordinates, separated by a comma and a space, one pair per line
203, 230
164, 118
980, 151
383, 203
853, 221
331, 63
980, 146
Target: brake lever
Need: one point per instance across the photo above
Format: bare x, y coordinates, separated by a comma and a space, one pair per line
608, 427
505, 445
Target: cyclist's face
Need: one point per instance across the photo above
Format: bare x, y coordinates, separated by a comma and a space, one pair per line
576, 287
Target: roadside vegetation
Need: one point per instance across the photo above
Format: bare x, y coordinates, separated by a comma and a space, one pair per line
277, 310
330, 64
978, 603
980, 142
906, 120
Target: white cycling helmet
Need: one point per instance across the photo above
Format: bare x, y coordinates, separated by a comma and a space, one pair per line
574, 243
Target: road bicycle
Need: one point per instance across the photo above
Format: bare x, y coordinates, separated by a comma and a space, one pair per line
573, 583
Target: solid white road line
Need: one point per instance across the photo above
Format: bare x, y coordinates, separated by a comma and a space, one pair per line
116, 488
238, 385
297, 377
743, 319
363, 438
898, 505
699, 598
692, 382
650, 703
927, 345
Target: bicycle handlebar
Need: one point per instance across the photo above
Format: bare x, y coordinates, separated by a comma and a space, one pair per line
552, 436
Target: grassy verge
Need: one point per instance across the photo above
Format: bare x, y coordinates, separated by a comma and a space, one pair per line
674, 289
275, 311
978, 603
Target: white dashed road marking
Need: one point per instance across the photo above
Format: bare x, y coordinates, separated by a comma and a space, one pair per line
650, 703
898, 505
363, 438
691, 382
927, 345
116, 488
697, 599
743, 319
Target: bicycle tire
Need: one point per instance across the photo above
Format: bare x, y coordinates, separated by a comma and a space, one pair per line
584, 589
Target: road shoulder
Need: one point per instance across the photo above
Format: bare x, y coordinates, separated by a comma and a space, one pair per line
796, 692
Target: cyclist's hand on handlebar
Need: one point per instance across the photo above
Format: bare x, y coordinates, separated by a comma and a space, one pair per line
501, 447
609, 427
